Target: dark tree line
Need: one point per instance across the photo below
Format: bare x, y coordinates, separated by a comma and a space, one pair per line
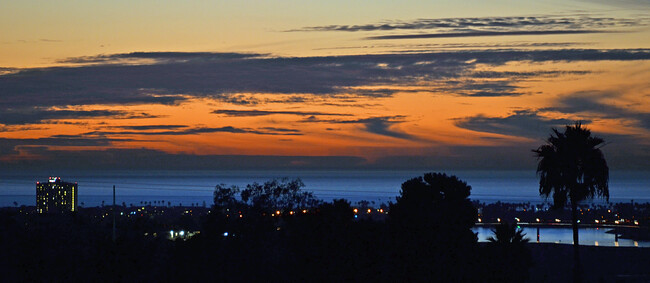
272, 232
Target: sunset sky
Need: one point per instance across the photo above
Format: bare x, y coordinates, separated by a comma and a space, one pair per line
318, 84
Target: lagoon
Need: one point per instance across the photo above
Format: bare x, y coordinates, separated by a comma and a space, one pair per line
588, 236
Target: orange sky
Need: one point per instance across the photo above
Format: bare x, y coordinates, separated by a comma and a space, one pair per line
323, 86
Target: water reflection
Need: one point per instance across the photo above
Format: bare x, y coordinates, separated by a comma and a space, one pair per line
564, 235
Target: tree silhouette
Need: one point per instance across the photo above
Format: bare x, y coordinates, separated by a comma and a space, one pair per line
282, 194
508, 234
434, 200
572, 168
508, 258
431, 223
225, 198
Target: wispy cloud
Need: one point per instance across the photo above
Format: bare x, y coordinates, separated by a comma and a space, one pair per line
253, 113
199, 130
591, 103
158, 57
521, 123
404, 47
478, 88
525, 22
481, 33
376, 125
148, 127
50, 40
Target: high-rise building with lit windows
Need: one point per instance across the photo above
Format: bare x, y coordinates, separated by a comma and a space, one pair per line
56, 196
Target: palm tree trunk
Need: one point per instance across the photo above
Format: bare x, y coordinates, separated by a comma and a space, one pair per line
577, 271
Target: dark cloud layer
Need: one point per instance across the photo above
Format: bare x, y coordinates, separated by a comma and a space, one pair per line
10, 146
35, 115
146, 159
226, 79
454, 158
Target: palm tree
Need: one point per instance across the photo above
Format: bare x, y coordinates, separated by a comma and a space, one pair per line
510, 257
508, 234
572, 168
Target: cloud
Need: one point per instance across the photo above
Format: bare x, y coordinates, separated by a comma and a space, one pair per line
6, 71
590, 103
479, 33
238, 79
525, 22
276, 129
522, 123
253, 113
37, 115
376, 125
50, 40
382, 126
420, 47
201, 130
149, 127
10, 146
158, 57
482, 88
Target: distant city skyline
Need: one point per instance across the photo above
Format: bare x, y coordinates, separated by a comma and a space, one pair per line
283, 85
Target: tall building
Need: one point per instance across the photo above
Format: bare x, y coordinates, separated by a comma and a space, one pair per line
56, 196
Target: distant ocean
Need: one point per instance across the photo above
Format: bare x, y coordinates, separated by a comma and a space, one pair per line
196, 187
